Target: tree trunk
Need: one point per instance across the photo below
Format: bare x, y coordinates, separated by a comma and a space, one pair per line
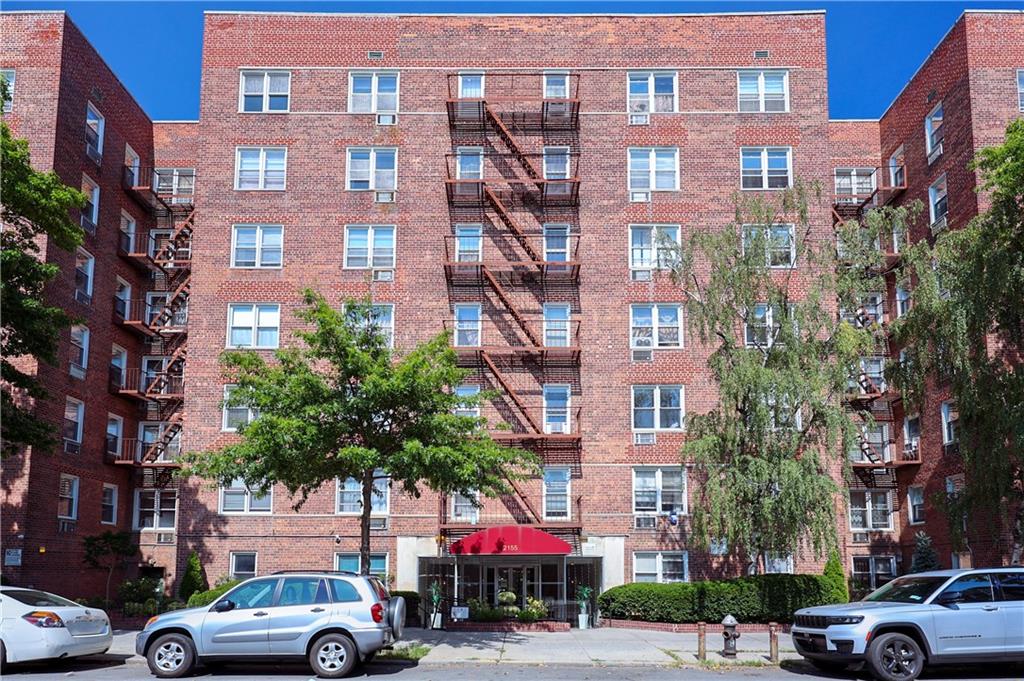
364, 523
106, 593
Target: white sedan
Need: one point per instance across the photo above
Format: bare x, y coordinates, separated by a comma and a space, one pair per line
36, 625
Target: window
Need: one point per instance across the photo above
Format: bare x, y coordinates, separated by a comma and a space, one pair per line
655, 326
256, 594
253, 325
235, 416
766, 167
115, 430
911, 436
93, 132
127, 235
373, 92
915, 501
264, 91
1012, 583
871, 572
372, 169
67, 497
180, 183
379, 318
469, 163
872, 444
243, 564
950, 416
783, 415
1020, 89
155, 509
471, 86
653, 169
854, 185
118, 365
260, 168
651, 91
8, 76
464, 508
74, 418
653, 246
256, 245
556, 247
556, 164
777, 241
972, 588
658, 407
902, 301
470, 408
762, 325
91, 208
369, 246
349, 562
557, 333
556, 85
468, 243
237, 498
467, 325
763, 91
778, 564
938, 205
933, 133
303, 591
132, 166
108, 505
79, 350
350, 495
557, 401
557, 482
898, 168
870, 511
84, 264
659, 491
660, 566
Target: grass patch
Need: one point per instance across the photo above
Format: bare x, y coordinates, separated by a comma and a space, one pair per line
411, 653
716, 664
677, 661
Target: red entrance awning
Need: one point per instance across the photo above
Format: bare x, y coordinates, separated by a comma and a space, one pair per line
510, 540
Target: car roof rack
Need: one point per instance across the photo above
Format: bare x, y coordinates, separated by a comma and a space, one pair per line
316, 572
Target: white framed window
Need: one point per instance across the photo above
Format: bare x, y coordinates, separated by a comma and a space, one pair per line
153, 432
380, 317
235, 416
655, 325
108, 505
557, 409
763, 91
556, 85
556, 246
349, 499
661, 566
467, 409
372, 169
556, 163
557, 325
468, 325
128, 229
369, 246
783, 414
237, 498
898, 168
853, 185
253, 325
464, 508
903, 299
373, 92
349, 562
118, 364
653, 169
779, 564
557, 491
260, 168
91, 209
871, 572
778, 242
870, 510
67, 497
94, 124
133, 164
874, 438
1020, 88
257, 246
155, 509
950, 418
469, 243
79, 351
74, 420
766, 167
911, 435
9, 76
115, 431
653, 246
938, 205
471, 85
180, 183
762, 325
658, 407
264, 91
469, 163
652, 92
915, 504
933, 132
84, 267
243, 564
659, 491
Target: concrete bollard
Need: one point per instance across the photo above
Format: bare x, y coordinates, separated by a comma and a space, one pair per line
702, 641
773, 642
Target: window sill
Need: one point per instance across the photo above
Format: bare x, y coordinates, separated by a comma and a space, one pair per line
276, 113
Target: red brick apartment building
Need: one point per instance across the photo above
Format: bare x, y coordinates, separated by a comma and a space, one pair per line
481, 175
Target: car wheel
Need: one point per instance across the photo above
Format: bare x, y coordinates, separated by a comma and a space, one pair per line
828, 665
895, 657
171, 656
333, 656
3, 657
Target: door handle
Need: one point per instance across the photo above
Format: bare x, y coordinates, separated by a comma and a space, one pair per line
317, 610
990, 608
259, 614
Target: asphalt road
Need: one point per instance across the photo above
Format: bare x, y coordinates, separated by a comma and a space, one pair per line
118, 668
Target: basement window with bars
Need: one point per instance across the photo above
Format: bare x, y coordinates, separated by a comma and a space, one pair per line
763, 91
265, 91
870, 511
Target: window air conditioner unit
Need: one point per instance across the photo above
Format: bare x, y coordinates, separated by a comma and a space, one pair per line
640, 197
165, 538
639, 119
642, 355
77, 370
384, 197
860, 537
379, 523
66, 526
93, 153
939, 225
641, 275
387, 119
645, 522
88, 225
644, 438
558, 428
383, 275
72, 447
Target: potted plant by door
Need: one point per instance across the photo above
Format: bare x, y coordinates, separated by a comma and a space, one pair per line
583, 594
435, 604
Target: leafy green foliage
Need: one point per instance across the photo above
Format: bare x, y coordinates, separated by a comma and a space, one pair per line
835, 575
193, 580
138, 590
201, 598
924, 557
759, 598
108, 551
35, 211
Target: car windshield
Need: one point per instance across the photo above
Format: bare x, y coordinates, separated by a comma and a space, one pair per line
39, 599
907, 590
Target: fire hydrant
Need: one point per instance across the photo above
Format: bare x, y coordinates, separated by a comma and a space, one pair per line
730, 635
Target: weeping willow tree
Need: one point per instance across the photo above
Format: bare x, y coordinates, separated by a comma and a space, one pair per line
765, 293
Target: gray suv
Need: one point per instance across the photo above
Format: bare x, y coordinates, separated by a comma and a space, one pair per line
929, 618
332, 619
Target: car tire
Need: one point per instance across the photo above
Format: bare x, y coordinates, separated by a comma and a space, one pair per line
333, 656
3, 657
828, 665
171, 656
895, 657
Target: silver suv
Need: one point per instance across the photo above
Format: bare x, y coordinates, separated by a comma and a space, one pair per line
943, 617
333, 619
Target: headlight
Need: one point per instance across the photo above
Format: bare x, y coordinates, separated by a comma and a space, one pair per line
845, 619
151, 620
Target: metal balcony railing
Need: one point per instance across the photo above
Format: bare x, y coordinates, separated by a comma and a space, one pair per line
162, 189
503, 333
523, 101
555, 256
547, 179
870, 191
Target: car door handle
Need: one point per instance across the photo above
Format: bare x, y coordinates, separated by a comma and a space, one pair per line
259, 614
317, 610
990, 608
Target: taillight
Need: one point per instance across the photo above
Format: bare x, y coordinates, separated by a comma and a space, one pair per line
377, 611
44, 619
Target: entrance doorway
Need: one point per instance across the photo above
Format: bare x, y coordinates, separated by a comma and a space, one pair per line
522, 580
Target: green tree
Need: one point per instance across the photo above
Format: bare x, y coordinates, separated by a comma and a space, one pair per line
924, 557
766, 454
35, 210
965, 329
192, 581
839, 588
109, 551
341, 404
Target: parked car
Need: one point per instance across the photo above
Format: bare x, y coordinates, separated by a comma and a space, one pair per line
36, 625
332, 619
929, 618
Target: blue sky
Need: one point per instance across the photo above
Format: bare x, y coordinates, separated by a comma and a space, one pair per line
155, 47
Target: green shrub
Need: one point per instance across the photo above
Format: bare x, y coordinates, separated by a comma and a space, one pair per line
482, 612
138, 590
835, 575
192, 581
202, 598
174, 605
759, 598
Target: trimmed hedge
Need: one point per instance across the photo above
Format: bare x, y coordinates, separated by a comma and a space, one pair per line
201, 598
759, 598
412, 606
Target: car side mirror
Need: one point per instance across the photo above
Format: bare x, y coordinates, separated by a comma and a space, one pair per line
224, 606
950, 598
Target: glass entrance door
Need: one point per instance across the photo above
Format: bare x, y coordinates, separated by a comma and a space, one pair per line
522, 580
